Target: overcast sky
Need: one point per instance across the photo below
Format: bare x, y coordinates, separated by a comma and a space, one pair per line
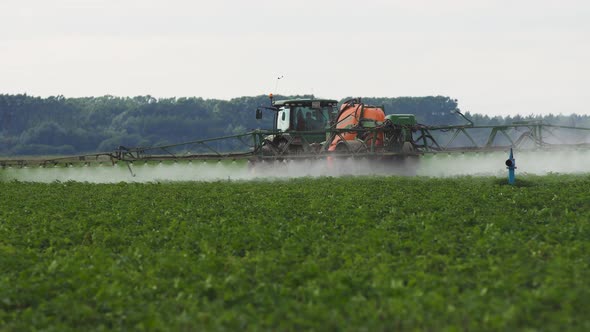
496, 57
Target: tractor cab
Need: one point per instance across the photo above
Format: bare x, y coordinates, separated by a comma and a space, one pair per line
300, 124
304, 115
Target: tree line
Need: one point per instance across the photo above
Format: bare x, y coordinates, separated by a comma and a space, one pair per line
57, 125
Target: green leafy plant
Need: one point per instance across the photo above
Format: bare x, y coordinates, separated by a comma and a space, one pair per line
375, 253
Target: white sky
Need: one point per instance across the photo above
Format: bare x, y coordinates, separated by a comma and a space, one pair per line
496, 57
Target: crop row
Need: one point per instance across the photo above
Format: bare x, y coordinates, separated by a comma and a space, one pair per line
330, 253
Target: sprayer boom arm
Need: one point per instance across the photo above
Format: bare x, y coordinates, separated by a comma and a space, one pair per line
279, 145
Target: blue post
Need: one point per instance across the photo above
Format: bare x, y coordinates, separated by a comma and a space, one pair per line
511, 166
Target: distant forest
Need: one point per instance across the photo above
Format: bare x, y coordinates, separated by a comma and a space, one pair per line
59, 125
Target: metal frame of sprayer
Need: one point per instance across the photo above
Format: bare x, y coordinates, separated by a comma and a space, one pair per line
424, 140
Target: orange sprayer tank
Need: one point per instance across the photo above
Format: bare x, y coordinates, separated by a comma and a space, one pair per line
354, 114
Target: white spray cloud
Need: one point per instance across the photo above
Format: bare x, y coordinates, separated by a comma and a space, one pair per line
439, 165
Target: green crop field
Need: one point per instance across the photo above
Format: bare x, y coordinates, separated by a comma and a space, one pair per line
359, 253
